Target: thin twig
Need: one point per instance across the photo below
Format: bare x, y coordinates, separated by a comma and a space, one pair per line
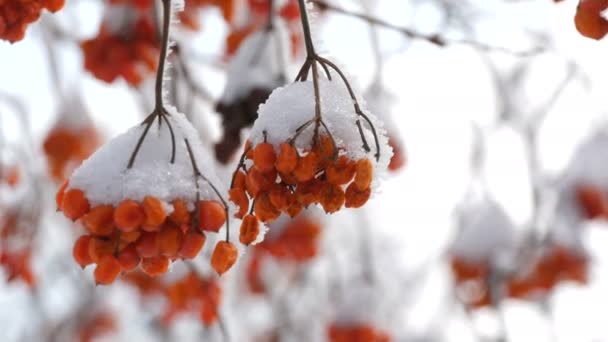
434, 39
197, 173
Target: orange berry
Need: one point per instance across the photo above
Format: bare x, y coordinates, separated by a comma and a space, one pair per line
192, 245
212, 216
257, 181
99, 221
75, 204
128, 258
180, 213
129, 216
363, 176
263, 208
80, 252
154, 211
107, 270
239, 197
593, 201
146, 245
240, 181
278, 196
224, 256
355, 198
264, 157
294, 207
288, 178
464, 270
288, 158
332, 198
588, 19
248, 150
250, 228
308, 193
398, 158
130, 236
101, 247
169, 240
307, 167
325, 151
60, 195
341, 171
208, 314
155, 266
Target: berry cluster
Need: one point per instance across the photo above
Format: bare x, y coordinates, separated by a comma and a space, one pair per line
356, 333
297, 242
556, 265
290, 180
144, 234
131, 53
589, 20
66, 148
16, 15
193, 293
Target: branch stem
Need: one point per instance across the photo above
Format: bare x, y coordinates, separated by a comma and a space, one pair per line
162, 61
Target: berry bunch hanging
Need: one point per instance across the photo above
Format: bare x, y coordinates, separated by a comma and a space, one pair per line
125, 47
17, 15
193, 293
70, 141
484, 245
294, 241
153, 205
312, 143
556, 264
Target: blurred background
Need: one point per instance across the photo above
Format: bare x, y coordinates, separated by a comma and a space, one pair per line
489, 226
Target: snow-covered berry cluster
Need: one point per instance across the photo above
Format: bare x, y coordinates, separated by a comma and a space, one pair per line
148, 207
292, 161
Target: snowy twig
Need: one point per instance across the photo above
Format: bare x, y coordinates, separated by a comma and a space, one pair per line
312, 62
